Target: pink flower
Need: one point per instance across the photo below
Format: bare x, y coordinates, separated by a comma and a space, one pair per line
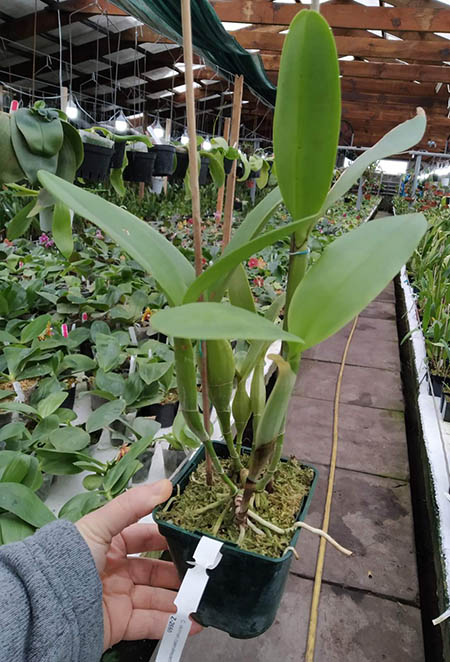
99, 235
84, 317
190, 221
253, 262
217, 215
258, 281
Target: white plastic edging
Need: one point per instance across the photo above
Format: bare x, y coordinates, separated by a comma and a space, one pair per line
436, 433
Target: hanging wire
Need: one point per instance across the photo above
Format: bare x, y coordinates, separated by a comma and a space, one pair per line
34, 52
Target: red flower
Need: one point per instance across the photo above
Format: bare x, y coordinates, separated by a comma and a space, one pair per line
204, 260
258, 281
253, 262
367, 196
190, 221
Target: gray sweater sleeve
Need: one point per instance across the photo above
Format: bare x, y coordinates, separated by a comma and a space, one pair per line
50, 598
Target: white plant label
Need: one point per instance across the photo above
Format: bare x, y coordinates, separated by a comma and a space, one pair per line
207, 556
133, 337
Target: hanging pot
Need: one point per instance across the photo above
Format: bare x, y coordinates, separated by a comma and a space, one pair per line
204, 171
140, 166
96, 162
254, 174
182, 162
245, 590
118, 154
227, 165
165, 160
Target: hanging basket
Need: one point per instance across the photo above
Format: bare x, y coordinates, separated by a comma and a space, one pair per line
118, 154
165, 160
140, 166
204, 171
182, 162
96, 163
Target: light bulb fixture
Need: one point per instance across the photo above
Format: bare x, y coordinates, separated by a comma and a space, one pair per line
71, 108
206, 145
121, 123
158, 131
184, 138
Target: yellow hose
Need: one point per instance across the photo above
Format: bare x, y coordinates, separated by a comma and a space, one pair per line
314, 612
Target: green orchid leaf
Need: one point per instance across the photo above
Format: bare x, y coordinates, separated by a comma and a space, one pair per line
215, 167
69, 439
110, 382
20, 223
352, 271
51, 403
226, 264
60, 463
152, 372
43, 137
108, 350
399, 139
29, 162
80, 505
62, 229
22, 502
214, 321
247, 169
307, 114
13, 529
35, 328
146, 245
105, 415
255, 220
10, 171
239, 290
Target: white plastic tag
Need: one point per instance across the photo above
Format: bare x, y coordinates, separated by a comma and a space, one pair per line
20, 395
207, 556
132, 333
132, 365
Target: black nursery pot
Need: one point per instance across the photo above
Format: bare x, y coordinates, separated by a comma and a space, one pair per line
118, 154
445, 406
204, 171
182, 159
140, 166
435, 385
165, 160
164, 414
254, 174
244, 591
227, 165
96, 162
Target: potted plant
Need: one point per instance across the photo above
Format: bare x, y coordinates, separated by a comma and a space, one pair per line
238, 482
98, 152
165, 160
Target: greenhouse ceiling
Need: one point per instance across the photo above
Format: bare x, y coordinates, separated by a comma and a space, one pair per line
393, 57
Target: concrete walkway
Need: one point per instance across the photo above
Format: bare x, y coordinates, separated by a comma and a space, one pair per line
369, 607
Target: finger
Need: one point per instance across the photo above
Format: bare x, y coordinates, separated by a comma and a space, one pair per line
151, 624
152, 572
143, 538
149, 597
103, 524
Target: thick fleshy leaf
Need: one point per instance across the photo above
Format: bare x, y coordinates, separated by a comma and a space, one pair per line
255, 220
21, 501
307, 114
35, 328
151, 372
397, 140
29, 162
350, 273
108, 351
225, 265
215, 167
213, 321
51, 403
80, 505
13, 529
239, 290
10, 171
105, 415
69, 439
20, 223
62, 229
155, 253
43, 137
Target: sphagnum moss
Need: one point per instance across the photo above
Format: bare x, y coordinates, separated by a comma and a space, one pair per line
201, 509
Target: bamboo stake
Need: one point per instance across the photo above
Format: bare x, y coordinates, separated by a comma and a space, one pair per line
234, 140
195, 192
167, 134
221, 191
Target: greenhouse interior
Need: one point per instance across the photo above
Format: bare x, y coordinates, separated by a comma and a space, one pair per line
225, 330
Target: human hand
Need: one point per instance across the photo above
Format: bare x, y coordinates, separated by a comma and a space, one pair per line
138, 593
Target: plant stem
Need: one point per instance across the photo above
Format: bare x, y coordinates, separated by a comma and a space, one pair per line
218, 524
211, 506
205, 404
273, 466
209, 448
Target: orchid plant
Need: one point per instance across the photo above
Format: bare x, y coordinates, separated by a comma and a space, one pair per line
213, 308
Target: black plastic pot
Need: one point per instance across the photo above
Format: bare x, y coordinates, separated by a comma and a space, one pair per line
165, 160
96, 162
445, 406
164, 414
70, 399
140, 166
172, 460
245, 590
435, 385
254, 174
146, 459
118, 154
240, 170
204, 171
227, 165
182, 162
44, 490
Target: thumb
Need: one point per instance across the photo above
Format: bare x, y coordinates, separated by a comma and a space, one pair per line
100, 527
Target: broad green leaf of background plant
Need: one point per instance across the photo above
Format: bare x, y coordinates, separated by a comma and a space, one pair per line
10, 171
69, 439
350, 273
20, 223
21, 501
13, 529
255, 220
215, 167
51, 403
71, 154
246, 163
62, 229
397, 140
239, 291
34, 329
29, 162
155, 253
43, 137
105, 415
307, 114
226, 264
80, 505
108, 351
214, 321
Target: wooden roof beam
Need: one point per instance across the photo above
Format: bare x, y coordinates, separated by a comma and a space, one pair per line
423, 19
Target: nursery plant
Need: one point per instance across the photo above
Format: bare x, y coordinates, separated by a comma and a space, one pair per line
251, 497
